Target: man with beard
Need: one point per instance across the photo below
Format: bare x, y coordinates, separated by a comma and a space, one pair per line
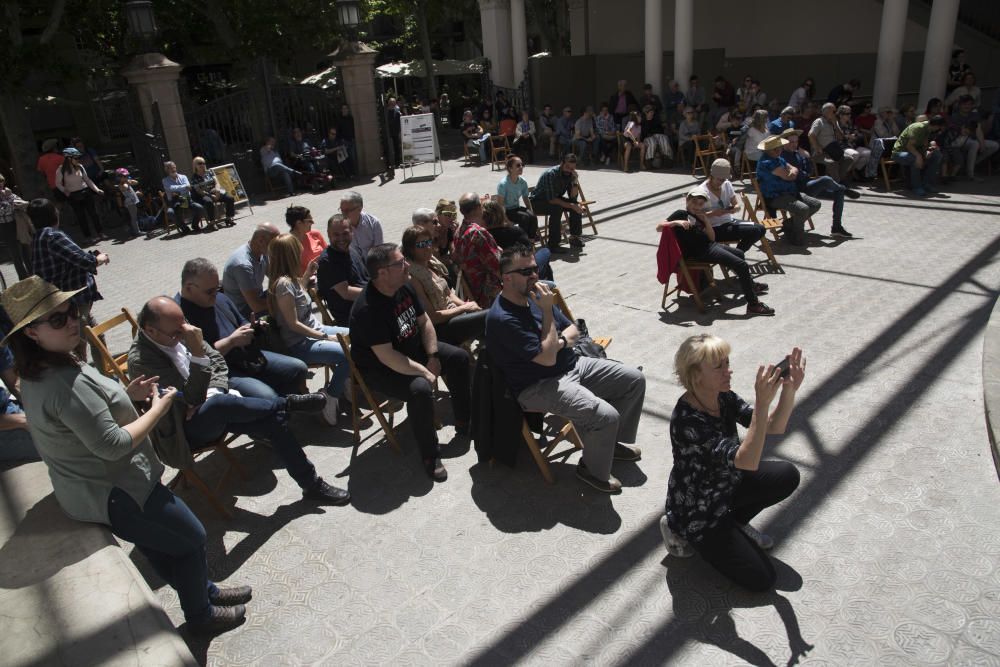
341, 274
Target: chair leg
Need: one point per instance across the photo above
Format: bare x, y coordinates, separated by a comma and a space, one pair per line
765, 245
543, 465
192, 478
695, 291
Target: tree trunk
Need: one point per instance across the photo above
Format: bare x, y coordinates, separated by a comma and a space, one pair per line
425, 46
20, 142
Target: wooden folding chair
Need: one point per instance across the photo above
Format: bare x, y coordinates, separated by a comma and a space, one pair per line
885, 164
462, 289
585, 205
117, 366
113, 366
748, 167
704, 153
554, 436
770, 225
499, 151
761, 205
603, 341
376, 408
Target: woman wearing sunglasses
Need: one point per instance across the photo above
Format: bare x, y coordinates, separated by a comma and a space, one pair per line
100, 458
455, 321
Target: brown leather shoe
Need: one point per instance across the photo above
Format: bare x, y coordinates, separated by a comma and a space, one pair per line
227, 597
221, 619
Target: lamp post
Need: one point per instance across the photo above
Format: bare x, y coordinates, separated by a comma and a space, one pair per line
356, 62
141, 23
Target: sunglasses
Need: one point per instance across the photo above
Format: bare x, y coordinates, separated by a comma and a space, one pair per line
527, 271
426, 243
59, 320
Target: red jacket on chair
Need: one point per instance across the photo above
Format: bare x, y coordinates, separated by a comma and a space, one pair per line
668, 257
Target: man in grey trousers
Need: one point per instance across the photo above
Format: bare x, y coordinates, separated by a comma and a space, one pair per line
531, 342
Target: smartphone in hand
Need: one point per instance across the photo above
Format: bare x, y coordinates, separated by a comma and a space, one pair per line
783, 367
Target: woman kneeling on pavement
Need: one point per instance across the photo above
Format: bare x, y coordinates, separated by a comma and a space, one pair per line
719, 482
100, 458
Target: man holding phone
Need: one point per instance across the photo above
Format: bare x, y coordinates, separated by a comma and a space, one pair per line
531, 342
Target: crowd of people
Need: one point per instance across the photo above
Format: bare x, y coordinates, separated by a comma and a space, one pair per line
466, 290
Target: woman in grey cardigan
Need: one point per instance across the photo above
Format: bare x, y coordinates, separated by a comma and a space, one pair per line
100, 459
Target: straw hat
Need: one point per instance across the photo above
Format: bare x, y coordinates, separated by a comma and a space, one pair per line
772, 142
30, 299
790, 132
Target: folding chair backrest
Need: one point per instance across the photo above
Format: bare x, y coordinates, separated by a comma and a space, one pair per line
324, 313
560, 302
111, 365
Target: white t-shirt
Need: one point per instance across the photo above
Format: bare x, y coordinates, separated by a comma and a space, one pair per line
728, 193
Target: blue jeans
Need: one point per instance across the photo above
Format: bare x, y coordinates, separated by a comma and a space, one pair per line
825, 187
172, 539
920, 179
283, 375
256, 417
583, 146
327, 352
543, 256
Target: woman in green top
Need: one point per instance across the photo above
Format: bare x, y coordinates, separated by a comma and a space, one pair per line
99, 455
511, 191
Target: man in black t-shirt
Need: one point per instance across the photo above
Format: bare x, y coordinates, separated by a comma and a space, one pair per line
394, 346
531, 341
341, 274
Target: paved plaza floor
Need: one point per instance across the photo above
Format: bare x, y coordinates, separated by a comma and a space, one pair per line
887, 554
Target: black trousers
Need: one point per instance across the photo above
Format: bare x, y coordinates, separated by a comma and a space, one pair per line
524, 147
732, 259
555, 214
19, 254
82, 203
419, 394
463, 327
743, 232
726, 548
524, 219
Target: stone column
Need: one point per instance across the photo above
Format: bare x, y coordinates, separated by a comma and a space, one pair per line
654, 44
356, 62
154, 77
495, 18
890, 53
578, 27
937, 52
683, 41
518, 40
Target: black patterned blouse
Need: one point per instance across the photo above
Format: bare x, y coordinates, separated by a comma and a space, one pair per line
704, 475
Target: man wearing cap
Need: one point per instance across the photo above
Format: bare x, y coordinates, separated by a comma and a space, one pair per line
777, 180
782, 122
824, 186
829, 144
722, 205
916, 149
556, 193
698, 241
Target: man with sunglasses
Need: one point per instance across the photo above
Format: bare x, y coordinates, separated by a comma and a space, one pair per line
395, 347
531, 342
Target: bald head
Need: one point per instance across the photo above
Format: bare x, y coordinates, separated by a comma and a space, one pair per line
263, 234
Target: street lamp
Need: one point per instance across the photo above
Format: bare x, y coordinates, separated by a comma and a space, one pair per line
349, 15
141, 21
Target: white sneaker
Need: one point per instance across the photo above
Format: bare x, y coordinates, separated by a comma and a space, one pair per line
763, 541
330, 410
676, 545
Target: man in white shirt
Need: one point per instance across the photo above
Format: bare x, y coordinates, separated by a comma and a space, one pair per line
721, 207
206, 408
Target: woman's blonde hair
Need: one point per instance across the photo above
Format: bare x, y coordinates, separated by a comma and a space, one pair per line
493, 214
198, 160
759, 119
284, 261
695, 350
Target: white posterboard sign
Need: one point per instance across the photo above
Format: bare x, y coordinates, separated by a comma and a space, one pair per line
419, 139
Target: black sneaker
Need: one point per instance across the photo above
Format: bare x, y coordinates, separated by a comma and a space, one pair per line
760, 288
220, 619
626, 452
609, 485
558, 250
435, 469
759, 308
841, 232
228, 597
575, 242
305, 402
323, 493
852, 193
